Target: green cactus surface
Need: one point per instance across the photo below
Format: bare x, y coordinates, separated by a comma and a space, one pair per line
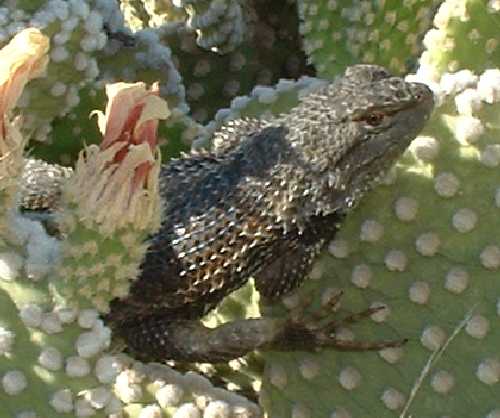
426, 247
425, 244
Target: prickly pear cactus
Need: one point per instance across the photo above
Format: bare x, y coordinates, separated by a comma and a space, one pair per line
426, 247
425, 244
341, 32
55, 356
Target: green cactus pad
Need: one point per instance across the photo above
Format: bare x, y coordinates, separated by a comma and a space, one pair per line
338, 33
426, 248
465, 37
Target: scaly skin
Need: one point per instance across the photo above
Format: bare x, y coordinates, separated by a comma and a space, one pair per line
263, 204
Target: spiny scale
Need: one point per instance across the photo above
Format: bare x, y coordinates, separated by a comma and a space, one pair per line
40, 185
262, 203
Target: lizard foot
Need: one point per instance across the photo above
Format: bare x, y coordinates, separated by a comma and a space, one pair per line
157, 337
318, 329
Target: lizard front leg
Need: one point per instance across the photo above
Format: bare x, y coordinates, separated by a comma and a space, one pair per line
160, 339
293, 254
157, 338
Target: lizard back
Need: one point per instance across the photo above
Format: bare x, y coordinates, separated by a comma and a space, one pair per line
265, 200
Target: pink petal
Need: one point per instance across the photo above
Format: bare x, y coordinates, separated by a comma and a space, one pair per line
22, 59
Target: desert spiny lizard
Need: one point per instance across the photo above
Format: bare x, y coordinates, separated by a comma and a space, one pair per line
262, 203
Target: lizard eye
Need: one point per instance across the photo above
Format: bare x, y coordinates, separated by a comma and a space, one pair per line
374, 118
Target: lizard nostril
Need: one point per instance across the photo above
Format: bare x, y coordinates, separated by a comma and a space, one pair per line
422, 93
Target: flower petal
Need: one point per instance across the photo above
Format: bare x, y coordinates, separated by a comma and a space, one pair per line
129, 106
23, 58
116, 184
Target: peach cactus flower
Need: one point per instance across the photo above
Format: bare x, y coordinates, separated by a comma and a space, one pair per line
22, 59
116, 183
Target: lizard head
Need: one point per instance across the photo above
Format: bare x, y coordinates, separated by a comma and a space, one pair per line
357, 128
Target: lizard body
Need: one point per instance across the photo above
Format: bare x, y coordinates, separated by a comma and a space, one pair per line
263, 203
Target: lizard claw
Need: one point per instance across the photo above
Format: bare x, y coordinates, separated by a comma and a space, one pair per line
318, 329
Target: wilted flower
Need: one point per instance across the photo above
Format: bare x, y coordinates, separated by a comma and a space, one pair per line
23, 58
117, 182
